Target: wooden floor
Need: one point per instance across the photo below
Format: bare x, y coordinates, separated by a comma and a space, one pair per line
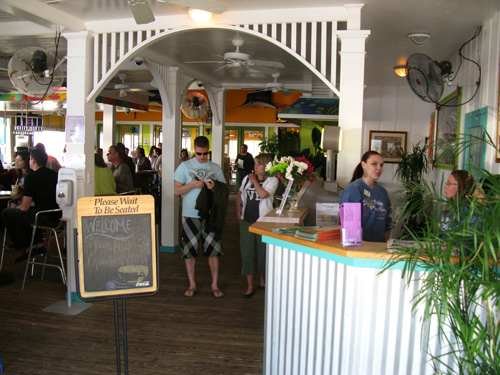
167, 333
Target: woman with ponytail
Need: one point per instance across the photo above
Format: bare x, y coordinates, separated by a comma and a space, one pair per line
375, 203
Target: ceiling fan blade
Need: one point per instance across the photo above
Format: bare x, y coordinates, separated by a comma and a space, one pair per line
284, 92
223, 67
205, 62
208, 5
142, 11
268, 64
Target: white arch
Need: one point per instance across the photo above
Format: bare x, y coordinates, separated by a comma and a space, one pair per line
150, 41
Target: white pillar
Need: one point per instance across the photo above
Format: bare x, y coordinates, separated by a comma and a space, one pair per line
171, 146
80, 149
108, 127
218, 104
352, 68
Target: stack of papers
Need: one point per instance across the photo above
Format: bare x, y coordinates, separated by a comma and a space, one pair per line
319, 234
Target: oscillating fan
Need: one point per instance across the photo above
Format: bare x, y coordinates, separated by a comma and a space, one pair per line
425, 76
195, 105
31, 72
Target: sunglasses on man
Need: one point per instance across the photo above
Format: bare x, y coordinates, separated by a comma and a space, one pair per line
202, 153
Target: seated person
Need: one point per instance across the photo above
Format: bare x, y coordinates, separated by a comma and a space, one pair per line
15, 176
104, 181
39, 190
121, 173
141, 160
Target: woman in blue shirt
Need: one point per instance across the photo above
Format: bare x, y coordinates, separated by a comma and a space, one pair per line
375, 203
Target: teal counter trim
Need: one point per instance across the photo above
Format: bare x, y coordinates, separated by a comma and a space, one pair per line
353, 262
170, 249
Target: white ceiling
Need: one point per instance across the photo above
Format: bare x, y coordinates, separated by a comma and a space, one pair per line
450, 23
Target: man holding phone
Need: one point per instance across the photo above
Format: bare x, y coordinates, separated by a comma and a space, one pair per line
189, 178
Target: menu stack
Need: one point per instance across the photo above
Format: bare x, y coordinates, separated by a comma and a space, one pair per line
319, 234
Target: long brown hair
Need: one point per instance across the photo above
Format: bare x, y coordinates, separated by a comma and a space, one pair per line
358, 171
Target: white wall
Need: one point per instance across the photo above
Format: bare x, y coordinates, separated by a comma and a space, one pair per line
397, 108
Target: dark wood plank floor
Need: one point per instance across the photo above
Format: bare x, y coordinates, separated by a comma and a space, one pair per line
167, 333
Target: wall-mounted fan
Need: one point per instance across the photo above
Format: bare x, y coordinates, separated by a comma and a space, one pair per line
195, 105
143, 14
32, 72
239, 59
425, 76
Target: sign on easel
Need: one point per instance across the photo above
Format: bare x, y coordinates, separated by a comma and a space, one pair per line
116, 246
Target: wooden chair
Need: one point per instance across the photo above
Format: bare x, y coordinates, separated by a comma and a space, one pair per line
51, 230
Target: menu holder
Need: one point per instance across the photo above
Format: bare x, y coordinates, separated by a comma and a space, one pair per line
350, 218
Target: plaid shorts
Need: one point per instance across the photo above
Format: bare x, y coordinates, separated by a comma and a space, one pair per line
193, 229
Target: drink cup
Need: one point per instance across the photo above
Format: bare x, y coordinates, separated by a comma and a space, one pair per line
15, 189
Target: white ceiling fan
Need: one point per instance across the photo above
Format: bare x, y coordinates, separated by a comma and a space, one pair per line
143, 13
239, 59
124, 88
279, 87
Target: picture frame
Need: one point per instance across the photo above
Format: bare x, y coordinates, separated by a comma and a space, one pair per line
387, 143
448, 131
497, 157
431, 141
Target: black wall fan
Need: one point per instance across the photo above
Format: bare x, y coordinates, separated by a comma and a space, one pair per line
425, 76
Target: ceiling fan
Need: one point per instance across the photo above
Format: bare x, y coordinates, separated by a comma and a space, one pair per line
279, 87
239, 59
124, 88
143, 13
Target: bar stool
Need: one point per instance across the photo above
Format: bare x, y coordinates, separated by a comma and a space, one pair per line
51, 230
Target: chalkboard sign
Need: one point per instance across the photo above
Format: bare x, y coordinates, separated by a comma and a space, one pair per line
116, 246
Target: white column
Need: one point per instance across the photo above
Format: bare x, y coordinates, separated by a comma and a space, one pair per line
218, 103
108, 127
352, 68
80, 152
171, 146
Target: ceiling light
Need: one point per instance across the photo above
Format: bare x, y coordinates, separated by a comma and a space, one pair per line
199, 15
400, 70
419, 38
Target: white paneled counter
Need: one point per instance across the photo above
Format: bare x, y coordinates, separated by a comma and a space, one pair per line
329, 311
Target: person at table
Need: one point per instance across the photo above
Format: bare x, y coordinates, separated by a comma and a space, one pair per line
15, 176
244, 163
39, 195
141, 160
189, 178
129, 162
255, 199
375, 203
52, 162
121, 173
104, 181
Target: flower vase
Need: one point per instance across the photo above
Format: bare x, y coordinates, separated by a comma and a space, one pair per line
293, 203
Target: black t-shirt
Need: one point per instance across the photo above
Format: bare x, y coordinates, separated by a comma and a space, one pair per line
40, 185
252, 205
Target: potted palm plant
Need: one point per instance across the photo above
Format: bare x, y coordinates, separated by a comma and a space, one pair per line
459, 287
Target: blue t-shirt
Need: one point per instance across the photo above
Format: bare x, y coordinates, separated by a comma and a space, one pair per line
375, 206
187, 172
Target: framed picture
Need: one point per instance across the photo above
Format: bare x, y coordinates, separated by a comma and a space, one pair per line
388, 144
447, 131
497, 159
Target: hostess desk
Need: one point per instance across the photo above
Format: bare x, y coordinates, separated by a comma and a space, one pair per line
329, 311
